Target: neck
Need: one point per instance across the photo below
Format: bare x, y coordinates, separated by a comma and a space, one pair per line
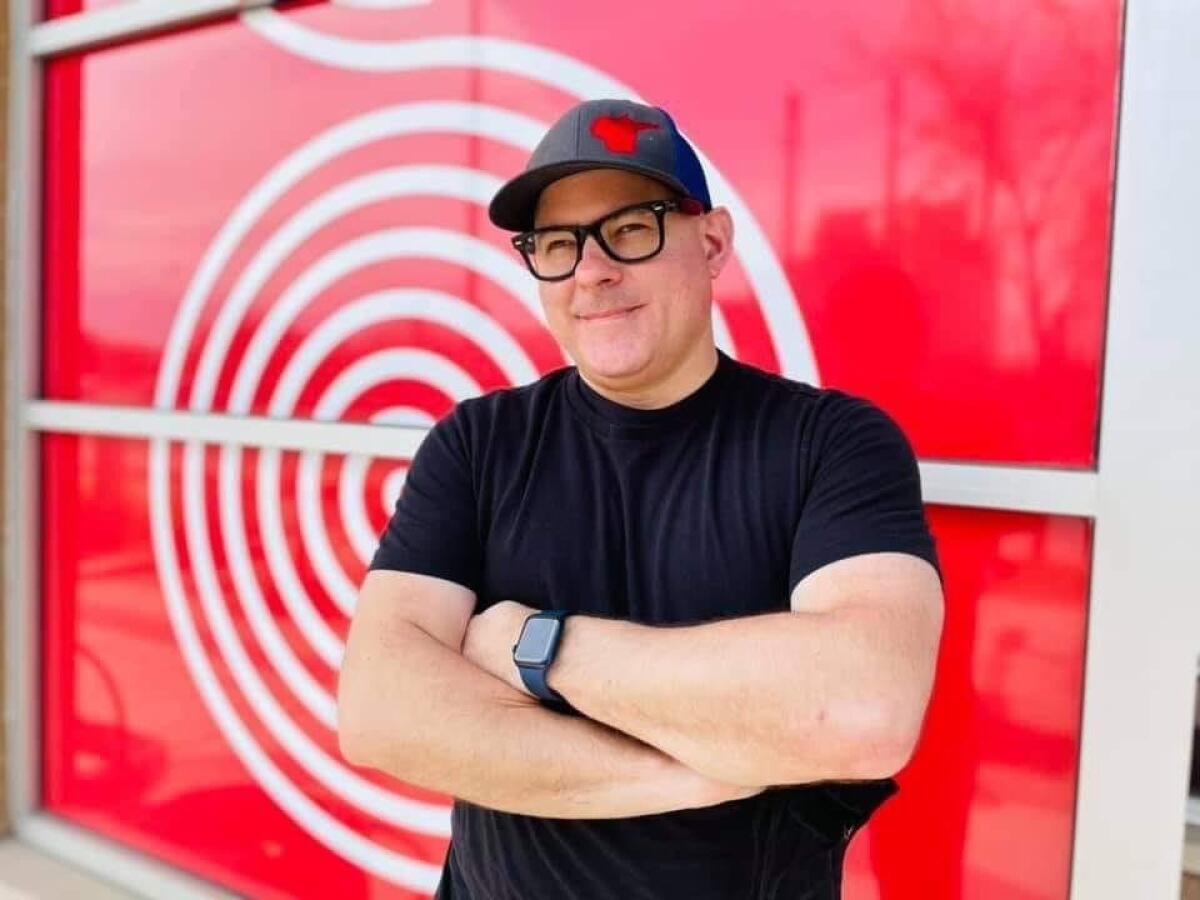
684, 380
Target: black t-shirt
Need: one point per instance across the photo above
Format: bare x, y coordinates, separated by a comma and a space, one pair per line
715, 506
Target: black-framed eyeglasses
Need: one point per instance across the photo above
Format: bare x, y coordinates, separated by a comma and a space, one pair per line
630, 234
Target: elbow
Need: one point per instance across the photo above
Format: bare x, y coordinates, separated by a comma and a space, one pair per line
355, 741
880, 744
358, 734
354, 745
863, 744
881, 758
364, 742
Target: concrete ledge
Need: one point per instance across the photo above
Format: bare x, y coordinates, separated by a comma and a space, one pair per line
29, 874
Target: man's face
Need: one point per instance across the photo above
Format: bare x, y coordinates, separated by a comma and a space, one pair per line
663, 305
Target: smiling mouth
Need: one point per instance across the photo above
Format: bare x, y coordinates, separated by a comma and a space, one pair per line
615, 314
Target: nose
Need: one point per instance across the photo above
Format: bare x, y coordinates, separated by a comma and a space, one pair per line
595, 266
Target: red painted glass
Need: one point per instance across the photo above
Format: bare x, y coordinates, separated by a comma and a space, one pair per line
993, 779
187, 683
922, 195
55, 8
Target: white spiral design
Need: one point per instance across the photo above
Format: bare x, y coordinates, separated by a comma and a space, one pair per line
260, 552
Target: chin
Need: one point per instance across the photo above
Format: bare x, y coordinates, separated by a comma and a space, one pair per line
612, 362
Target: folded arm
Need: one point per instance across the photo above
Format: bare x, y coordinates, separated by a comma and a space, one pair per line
834, 689
410, 705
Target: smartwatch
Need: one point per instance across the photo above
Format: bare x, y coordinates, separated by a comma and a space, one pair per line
535, 650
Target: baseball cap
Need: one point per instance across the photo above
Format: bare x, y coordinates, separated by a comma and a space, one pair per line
602, 134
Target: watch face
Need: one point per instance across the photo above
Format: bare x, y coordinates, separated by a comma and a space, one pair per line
536, 640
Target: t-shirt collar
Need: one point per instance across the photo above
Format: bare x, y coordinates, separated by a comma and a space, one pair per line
612, 418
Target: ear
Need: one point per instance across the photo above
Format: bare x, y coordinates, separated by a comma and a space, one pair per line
716, 233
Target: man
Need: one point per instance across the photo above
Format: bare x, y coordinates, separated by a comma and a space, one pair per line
737, 597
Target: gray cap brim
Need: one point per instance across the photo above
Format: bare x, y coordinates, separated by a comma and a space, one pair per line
513, 206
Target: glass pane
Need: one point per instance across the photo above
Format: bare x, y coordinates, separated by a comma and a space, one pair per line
188, 687
177, 676
993, 779
922, 194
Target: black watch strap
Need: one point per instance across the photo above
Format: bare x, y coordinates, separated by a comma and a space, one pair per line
534, 677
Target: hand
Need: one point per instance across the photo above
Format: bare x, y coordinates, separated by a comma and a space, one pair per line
489, 640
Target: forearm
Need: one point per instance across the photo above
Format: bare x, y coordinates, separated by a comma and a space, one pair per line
765, 699
432, 718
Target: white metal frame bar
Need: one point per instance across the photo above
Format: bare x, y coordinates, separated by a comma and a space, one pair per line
133, 19
20, 465
1060, 492
113, 861
1019, 488
386, 441
1144, 616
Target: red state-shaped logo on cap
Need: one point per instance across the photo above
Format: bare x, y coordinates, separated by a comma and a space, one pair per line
619, 134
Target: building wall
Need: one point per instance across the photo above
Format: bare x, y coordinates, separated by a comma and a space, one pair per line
902, 293
881, 270
4, 54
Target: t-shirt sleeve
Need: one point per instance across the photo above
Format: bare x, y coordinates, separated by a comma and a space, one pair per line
433, 529
864, 490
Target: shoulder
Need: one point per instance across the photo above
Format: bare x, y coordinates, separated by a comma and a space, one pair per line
825, 427
819, 408
844, 410
854, 433
750, 379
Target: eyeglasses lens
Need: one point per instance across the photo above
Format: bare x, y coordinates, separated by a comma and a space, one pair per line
629, 235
